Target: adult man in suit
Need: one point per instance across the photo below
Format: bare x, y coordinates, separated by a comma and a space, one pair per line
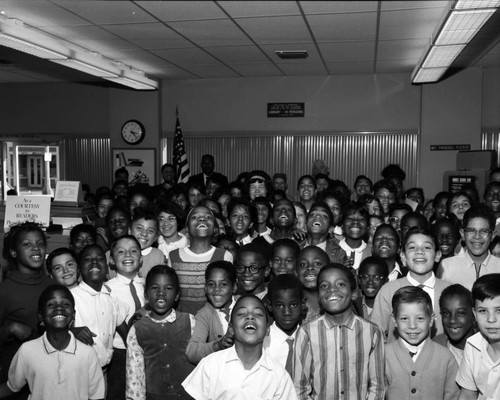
207, 166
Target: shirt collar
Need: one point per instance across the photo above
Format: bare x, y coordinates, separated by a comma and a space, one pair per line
282, 335
410, 347
91, 291
123, 279
429, 283
169, 318
70, 348
145, 252
343, 244
472, 263
232, 356
348, 323
478, 341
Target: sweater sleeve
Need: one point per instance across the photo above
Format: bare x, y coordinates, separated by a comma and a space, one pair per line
199, 346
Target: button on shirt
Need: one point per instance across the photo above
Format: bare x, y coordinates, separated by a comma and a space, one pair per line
478, 372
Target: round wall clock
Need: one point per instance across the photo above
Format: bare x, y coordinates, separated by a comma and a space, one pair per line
133, 132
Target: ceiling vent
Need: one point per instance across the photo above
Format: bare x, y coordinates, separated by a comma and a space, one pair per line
291, 54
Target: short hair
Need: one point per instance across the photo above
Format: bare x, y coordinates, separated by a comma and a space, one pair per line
322, 253
340, 267
418, 190
114, 209
253, 248
286, 242
355, 208
321, 205
249, 296
12, 238
456, 195
169, 207
486, 287
56, 253
264, 201
389, 227
87, 248
479, 211
107, 195
446, 221
456, 290
161, 269
441, 196
296, 204
144, 213
223, 265
384, 184
493, 172
242, 202
279, 175
422, 221
375, 260
419, 230
197, 186
119, 182
120, 171
82, 228
399, 207
114, 243
359, 177
393, 170
306, 177
164, 166
411, 294
47, 293
285, 282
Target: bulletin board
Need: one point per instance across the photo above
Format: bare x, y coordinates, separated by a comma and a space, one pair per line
140, 164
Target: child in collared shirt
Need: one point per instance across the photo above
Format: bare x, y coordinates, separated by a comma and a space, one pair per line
414, 363
372, 274
62, 267
211, 331
241, 216
284, 256
252, 270
156, 344
56, 366
285, 303
478, 375
338, 354
244, 371
170, 221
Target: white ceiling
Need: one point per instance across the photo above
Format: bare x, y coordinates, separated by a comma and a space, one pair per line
220, 39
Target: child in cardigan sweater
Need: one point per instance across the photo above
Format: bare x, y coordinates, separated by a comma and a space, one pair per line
211, 331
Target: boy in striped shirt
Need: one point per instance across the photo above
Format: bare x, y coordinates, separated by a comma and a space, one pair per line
339, 355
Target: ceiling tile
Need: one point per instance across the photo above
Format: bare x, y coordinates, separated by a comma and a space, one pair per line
313, 55
409, 5
182, 10
352, 67
259, 8
249, 70
238, 54
145, 61
343, 27
40, 13
327, 7
401, 49
348, 51
303, 69
212, 32
150, 35
107, 12
268, 30
213, 71
396, 66
409, 24
187, 57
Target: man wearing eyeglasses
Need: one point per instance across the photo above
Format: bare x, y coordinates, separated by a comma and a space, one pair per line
207, 168
478, 231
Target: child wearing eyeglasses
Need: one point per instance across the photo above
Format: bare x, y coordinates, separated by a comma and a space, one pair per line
373, 272
477, 233
252, 270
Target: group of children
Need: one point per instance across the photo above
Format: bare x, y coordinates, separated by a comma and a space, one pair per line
152, 305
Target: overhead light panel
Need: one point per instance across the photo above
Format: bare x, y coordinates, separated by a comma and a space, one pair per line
292, 54
461, 24
29, 48
151, 85
87, 68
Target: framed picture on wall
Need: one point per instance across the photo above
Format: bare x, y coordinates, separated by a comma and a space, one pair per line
140, 164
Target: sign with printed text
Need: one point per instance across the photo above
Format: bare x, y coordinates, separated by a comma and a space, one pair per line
19, 209
449, 147
70, 191
285, 110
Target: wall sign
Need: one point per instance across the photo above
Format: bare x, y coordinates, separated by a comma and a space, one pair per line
448, 147
69, 191
285, 110
457, 182
19, 209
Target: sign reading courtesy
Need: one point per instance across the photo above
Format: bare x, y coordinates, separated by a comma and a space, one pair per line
26, 208
285, 110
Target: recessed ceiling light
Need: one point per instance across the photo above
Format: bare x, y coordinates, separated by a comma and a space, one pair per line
291, 54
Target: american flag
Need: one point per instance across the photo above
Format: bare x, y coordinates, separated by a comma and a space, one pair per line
180, 159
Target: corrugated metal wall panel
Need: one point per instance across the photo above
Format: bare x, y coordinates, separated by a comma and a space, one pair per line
347, 155
491, 141
88, 161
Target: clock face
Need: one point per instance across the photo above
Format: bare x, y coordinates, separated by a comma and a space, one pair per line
133, 132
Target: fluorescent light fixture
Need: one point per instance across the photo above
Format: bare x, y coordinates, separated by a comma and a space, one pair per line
29, 48
291, 54
461, 26
148, 85
472, 4
429, 74
442, 56
87, 68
